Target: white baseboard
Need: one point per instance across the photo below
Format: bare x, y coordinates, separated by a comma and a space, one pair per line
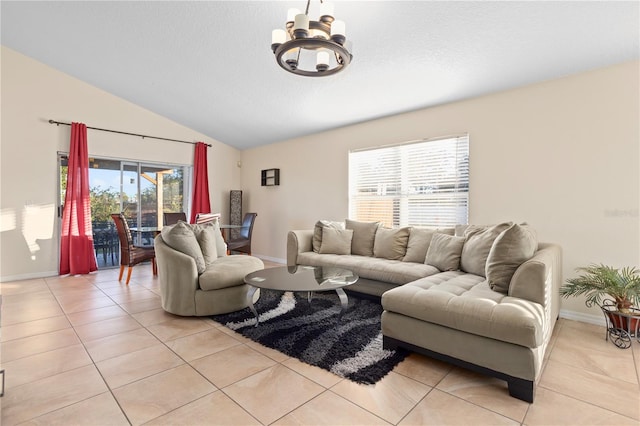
579, 316
30, 276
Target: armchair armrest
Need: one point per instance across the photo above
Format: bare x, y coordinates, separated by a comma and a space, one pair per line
298, 241
178, 277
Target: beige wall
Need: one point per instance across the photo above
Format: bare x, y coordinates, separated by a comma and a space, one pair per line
562, 155
32, 93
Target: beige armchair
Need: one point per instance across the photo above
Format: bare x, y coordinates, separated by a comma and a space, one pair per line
189, 290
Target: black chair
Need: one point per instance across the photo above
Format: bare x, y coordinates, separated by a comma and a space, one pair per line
130, 254
173, 218
242, 244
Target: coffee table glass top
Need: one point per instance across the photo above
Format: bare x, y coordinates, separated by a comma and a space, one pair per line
301, 278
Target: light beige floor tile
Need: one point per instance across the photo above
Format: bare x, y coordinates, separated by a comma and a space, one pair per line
320, 376
99, 410
42, 365
133, 366
33, 345
484, 391
132, 295
599, 358
25, 286
154, 316
439, 408
273, 392
201, 344
120, 344
552, 408
67, 281
423, 369
231, 365
157, 395
30, 297
77, 304
29, 311
94, 315
109, 327
271, 353
110, 283
635, 347
199, 412
391, 398
239, 337
329, 409
43, 396
176, 328
32, 328
142, 305
603, 391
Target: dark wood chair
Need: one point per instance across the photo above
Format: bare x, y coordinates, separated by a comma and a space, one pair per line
131, 254
173, 218
242, 243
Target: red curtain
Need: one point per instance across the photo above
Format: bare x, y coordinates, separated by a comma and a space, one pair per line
201, 203
76, 242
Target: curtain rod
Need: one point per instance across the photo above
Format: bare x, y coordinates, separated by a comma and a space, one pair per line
57, 123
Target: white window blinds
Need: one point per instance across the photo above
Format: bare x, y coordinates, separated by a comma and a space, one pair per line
422, 183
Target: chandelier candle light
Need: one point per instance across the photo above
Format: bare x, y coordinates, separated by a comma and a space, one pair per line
312, 48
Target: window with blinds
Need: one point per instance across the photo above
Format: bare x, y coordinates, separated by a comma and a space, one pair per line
423, 183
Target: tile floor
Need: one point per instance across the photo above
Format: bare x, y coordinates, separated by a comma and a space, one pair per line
90, 350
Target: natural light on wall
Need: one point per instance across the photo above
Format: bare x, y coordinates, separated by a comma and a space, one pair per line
7, 220
423, 183
37, 224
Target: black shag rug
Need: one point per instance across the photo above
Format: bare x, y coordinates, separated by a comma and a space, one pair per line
350, 348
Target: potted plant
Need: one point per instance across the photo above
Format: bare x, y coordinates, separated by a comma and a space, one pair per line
616, 291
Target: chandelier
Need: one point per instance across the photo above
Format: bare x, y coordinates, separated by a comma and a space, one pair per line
312, 48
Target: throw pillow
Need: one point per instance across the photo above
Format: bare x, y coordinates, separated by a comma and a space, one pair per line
317, 232
181, 237
336, 241
205, 234
444, 252
364, 234
514, 246
391, 243
478, 242
418, 244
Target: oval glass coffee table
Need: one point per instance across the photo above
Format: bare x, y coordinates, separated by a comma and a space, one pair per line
301, 278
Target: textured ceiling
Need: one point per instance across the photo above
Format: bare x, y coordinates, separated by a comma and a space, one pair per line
208, 65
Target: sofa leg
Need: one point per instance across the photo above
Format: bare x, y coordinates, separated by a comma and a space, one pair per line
521, 389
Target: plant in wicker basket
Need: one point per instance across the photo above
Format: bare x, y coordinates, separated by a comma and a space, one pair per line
616, 292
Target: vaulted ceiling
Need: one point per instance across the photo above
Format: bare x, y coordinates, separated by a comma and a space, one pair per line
208, 64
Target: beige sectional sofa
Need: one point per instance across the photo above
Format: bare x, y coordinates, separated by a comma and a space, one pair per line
481, 297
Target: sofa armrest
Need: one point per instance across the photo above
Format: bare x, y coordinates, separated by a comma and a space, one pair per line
539, 278
298, 242
178, 277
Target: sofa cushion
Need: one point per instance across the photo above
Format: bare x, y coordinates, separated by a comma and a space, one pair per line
182, 238
336, 241
364, 234
418, 244
317, 232
444, 252
465, 302
373, 268
205, 235
514, 246
478, 242
229, 271
391, 243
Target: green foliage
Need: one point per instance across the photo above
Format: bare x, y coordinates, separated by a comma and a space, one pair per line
600, 281
103, 203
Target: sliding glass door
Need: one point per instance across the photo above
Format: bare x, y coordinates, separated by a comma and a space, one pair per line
141, 191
